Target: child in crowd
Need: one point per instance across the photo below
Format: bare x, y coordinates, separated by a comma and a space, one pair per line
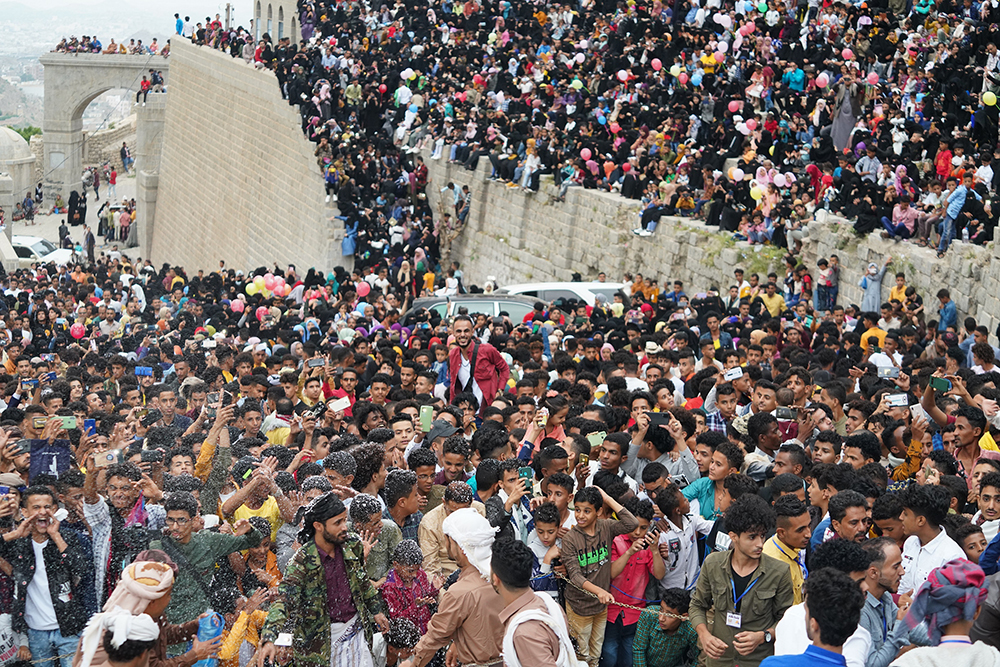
407, 592
664, 636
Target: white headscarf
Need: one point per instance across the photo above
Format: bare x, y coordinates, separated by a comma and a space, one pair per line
474, 534
122, 626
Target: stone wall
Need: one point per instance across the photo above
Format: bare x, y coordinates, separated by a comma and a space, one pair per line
519, 237
237, 179
104, 145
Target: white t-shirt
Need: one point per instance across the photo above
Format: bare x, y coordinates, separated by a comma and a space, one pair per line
39, 613
790, 638
465, 372
682, 560
920, 560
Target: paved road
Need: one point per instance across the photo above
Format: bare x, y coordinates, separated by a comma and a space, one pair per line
47, 226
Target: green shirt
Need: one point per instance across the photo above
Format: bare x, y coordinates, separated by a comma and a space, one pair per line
765, 600
654, 647
188, 599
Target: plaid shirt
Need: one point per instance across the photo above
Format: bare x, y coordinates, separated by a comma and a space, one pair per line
716, 422
652, 647
410, 526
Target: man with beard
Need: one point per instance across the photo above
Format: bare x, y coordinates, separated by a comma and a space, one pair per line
475, 366
326, 600
121, 523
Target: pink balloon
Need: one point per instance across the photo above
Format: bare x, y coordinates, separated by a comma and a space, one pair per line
719, 56
579, 58
657, 65
364, 288
261, 313
269, 281
872, 78
751, 27
780, 181
586, 154
822, 80
683, 78
847, 53
627, 167
752, 123
77, 331
615, 128
734, 106
237, 306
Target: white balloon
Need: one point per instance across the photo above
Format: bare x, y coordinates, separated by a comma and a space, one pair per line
723, 46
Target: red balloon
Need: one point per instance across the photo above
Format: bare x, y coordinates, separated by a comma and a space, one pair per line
364, 288
657, 65
627, 167
752, 124
683, 78
586, 154
477, 79
261, 313
734, 106
382, 88
77, 331
615, 128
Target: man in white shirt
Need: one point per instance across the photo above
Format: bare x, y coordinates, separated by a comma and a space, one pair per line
928, 546
889, 357
790, 636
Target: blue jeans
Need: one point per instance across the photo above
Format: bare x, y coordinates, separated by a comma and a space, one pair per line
617, 650
895, 230
47, 644
947, 233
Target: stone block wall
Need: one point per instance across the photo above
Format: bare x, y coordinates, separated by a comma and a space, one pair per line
104, 145
238, 180
519, 237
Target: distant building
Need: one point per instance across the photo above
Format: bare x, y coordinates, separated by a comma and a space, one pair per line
277, 19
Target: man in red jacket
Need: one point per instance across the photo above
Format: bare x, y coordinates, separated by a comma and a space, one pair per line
475, 366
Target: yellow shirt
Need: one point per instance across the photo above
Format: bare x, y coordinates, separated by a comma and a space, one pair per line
774, 304
781, 551
874, 331
898, 293
269, 510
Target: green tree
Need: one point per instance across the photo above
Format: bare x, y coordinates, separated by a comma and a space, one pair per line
28, 131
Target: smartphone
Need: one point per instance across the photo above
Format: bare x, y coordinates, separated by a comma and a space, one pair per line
874, 349
90, 426
284, 639
50, 376
48, 357
152, 416
108, 458
659, 418
583, 459
209, 344
597, 439
142, 413
940, 384
734, 373
143, 371
316, 362
38, 422
782, 412
426, 417
808, 321
29, 383
68, 422
227, 398
888, 372
527, 474
339, 405
898, 401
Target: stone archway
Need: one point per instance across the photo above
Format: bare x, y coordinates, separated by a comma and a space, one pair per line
73, 81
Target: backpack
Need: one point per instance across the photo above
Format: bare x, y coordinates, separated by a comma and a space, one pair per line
553, 619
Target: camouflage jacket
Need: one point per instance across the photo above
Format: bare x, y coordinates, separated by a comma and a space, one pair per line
301, 608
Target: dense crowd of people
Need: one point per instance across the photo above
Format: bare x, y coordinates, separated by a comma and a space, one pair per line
321, 473
663, 479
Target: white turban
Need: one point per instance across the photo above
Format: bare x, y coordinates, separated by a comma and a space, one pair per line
474, 534
122, 625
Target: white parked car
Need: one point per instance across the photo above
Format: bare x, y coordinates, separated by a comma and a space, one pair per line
34, 249
549, 292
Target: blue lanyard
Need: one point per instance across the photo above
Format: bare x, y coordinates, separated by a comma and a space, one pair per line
955, 641
798, 558
885, 627
736, 600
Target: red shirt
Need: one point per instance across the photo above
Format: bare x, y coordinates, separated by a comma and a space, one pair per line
629, 587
